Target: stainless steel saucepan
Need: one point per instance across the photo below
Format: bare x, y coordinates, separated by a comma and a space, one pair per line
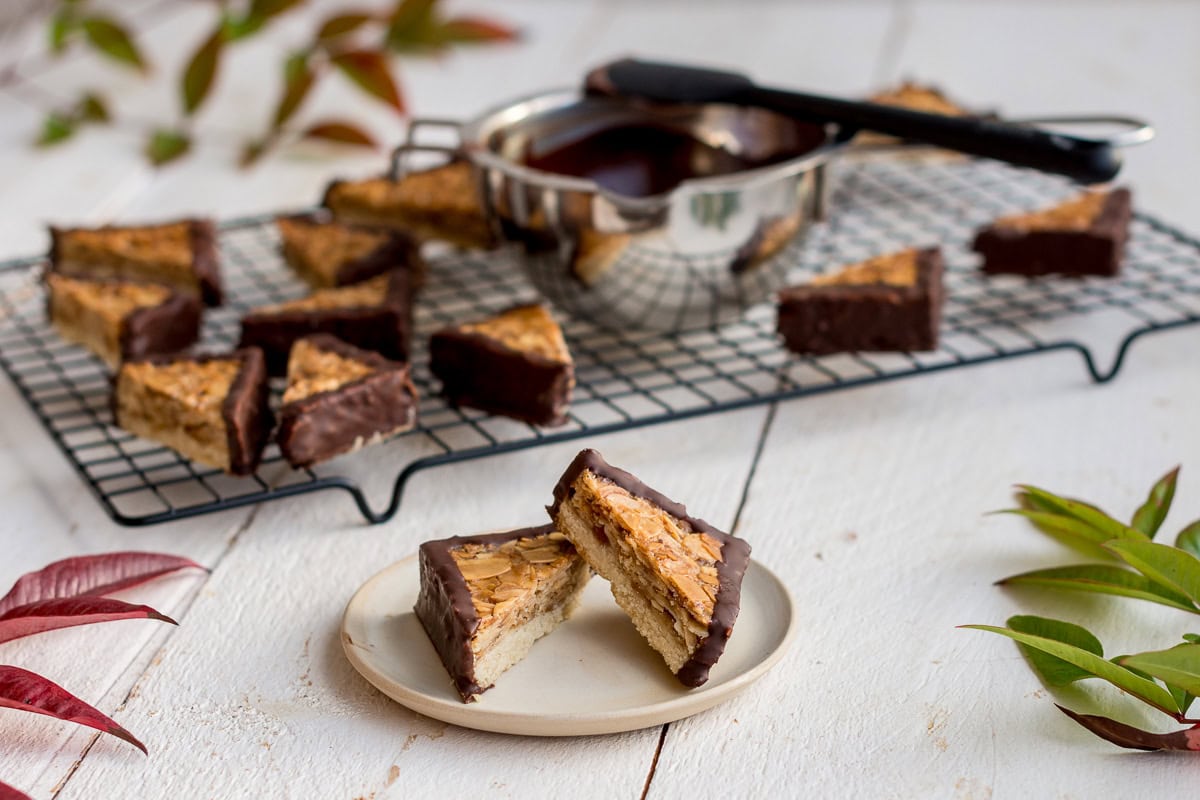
693, 256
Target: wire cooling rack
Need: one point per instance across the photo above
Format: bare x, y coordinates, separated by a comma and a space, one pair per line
625, 379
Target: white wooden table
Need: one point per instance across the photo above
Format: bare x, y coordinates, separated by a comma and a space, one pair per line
868, 502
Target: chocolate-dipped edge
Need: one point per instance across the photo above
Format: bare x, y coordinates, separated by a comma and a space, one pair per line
735, 557
559, 384
398, 250
312, 429
170, 326
1022, 251
205, 263
246, 409
385, 328
451, 623
928, 288
247, 413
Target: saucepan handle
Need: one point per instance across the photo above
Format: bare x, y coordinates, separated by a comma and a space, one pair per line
1130, 131
412, 143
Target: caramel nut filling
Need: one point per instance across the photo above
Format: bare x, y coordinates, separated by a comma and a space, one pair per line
1077, 214
529, 329
312, 370
893, 269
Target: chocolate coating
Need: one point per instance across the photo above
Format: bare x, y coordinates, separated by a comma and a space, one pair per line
205, 262
323, 425
735, 557
1095, 251
385, 329
168, 327
247, 412
819, 320
444, 604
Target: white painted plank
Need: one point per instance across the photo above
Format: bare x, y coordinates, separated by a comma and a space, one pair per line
870, 505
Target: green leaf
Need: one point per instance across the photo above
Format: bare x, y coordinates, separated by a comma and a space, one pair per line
1068, 531
412, 27
201, 71
62, 25
1189, 539
164, 146
298, 81
92, 108
1084, 512
1192, 638
1183, 698
111, 39
341, 24
1147, 691
1150, 516
1102, 579
56, 128
369, 69
1165, 565
1053, 670
341, 132
236, 28
1178, 666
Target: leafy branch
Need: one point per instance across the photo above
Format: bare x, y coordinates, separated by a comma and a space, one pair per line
66, 594
1061, 652
358, 45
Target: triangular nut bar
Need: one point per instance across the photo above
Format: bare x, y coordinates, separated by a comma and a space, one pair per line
677, 577
182, 254
211, 409
892, 302
375, 315
340, 398
515, 363
117, 319
485, 600
440, 203
325, 253
1085, 235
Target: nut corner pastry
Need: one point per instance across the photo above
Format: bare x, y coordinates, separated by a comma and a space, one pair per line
212, 409
485, 600
1084, 235
677, 577
891, 302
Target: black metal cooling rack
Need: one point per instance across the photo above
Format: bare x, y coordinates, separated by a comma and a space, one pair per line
625, 379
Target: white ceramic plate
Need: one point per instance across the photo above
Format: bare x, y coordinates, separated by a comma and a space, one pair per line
593, 674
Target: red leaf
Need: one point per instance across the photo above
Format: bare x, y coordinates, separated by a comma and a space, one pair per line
92, 575
1133, 738
68, 612
465, 30
9, 793
341, 24
337, 131
202, 70
26, 691
371, 71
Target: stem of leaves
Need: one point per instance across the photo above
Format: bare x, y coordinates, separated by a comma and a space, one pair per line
1061, 652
